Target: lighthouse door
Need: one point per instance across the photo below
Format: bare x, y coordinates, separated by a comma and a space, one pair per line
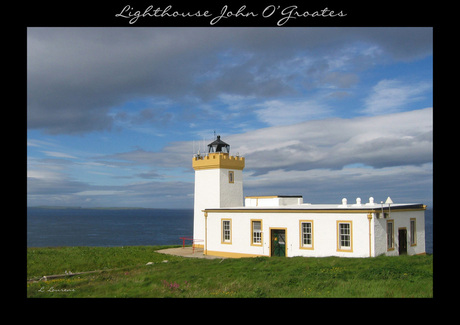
402, 241
278, 242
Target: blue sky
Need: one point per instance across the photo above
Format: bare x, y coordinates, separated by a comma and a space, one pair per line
114, 114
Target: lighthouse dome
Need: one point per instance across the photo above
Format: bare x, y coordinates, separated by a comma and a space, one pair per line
218, 146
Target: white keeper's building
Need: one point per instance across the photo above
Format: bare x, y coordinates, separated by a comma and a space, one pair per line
276, 225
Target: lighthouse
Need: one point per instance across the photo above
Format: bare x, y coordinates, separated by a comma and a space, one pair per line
218, 184
280, 225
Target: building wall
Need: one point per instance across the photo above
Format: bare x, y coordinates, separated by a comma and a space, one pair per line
324, 233
231, 194
271, 201
400, 220
207, 195
213, 190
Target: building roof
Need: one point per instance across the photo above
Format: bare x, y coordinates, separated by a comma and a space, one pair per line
218, 146
273, 196
295, 203
307, 207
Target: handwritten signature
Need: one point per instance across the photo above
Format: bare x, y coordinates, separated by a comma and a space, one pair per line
52, 289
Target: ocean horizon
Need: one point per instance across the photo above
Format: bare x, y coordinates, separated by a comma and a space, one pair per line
76, 226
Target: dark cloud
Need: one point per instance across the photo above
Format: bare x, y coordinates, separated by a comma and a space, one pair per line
154, 116
76, 75
177, 154
401, 43
150, 175
53, 186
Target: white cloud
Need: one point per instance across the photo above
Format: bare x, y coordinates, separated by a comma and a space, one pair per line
277, 112
397, 139
390, 96
39, 143
44, 174
380, 141
99, 192
402, 183
58, 154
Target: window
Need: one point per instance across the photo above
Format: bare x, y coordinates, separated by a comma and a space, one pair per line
306, 234
256, 232
344, 240
226, 232
345, 235
231, 176
390, 235
413, 232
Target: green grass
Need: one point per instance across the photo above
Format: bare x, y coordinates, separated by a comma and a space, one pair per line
124, 274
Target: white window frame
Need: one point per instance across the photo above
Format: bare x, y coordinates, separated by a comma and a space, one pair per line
390, 235
256, 234
226, 231
306, 234
343, 237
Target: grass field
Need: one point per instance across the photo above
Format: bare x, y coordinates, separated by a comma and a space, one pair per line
124, 273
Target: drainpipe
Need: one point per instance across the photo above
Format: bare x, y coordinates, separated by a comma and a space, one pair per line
369, 217
205, 233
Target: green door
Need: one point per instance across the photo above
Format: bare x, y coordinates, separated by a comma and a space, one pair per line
278, 242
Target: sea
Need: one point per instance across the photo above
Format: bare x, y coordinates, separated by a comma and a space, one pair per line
51, 227
107, 227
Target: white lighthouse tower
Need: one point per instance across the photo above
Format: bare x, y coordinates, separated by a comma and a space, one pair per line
218, 184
